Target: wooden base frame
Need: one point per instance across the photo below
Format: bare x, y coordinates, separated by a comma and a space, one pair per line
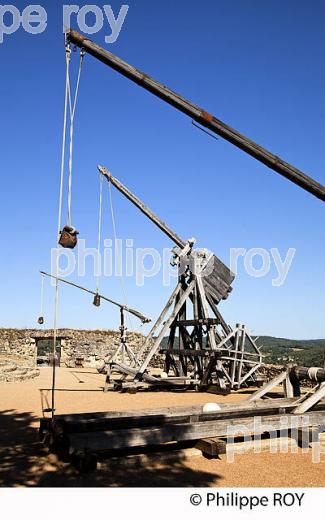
202, 350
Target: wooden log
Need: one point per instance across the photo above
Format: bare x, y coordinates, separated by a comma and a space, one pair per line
153, 436
101, 421
212, 447
278, 403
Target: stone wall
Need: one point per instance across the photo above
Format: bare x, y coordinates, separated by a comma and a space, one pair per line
18, 343
90, 347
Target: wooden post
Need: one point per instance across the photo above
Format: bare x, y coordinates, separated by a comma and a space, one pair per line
162, 333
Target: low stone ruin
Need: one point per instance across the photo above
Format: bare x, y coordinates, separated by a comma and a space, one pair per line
14, 371
84, 348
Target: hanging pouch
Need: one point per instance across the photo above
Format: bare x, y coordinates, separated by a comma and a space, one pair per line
68, 237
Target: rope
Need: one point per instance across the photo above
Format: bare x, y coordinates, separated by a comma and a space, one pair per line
99, 228
66, 97
67, 100
55, 327
72, 106
312, 373
121, 278
42, 296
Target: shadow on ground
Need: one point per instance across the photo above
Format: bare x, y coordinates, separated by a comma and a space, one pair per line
24, 463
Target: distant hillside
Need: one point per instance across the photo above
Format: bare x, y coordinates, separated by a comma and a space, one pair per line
291, 343
280, 351
309, 352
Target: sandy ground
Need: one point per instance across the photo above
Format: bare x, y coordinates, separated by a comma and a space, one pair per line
24, 463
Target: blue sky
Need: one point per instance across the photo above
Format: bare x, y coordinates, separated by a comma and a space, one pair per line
258, 66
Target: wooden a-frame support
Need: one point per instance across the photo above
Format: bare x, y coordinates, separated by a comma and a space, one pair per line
205, 351
291, 389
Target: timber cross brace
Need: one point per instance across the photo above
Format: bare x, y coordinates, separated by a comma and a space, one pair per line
202, 350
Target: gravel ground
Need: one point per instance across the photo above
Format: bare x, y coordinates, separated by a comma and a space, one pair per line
23, 463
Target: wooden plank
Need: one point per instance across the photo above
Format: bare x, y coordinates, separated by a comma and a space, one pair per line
98, 422
251, 371
311, 401
220, 270
183, 410
137, 437
209, 287
268, 387
215, 284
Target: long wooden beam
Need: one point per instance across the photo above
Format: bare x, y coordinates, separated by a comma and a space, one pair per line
138, 314
78, 423
142, 207
198, 114
178, 411
157, 435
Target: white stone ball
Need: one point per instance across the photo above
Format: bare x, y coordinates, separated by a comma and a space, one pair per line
211, 407
164, 375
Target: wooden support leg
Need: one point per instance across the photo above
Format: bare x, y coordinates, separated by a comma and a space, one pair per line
159, 320
207, 373
234, 362
108, 378
130, 353
268, 387
311, 401
212, 447
163, 331
211, 334
167, 363
241, 348
181, 317
303, 437
288, 388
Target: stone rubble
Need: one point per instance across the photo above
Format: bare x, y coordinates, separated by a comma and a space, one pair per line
16, 371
